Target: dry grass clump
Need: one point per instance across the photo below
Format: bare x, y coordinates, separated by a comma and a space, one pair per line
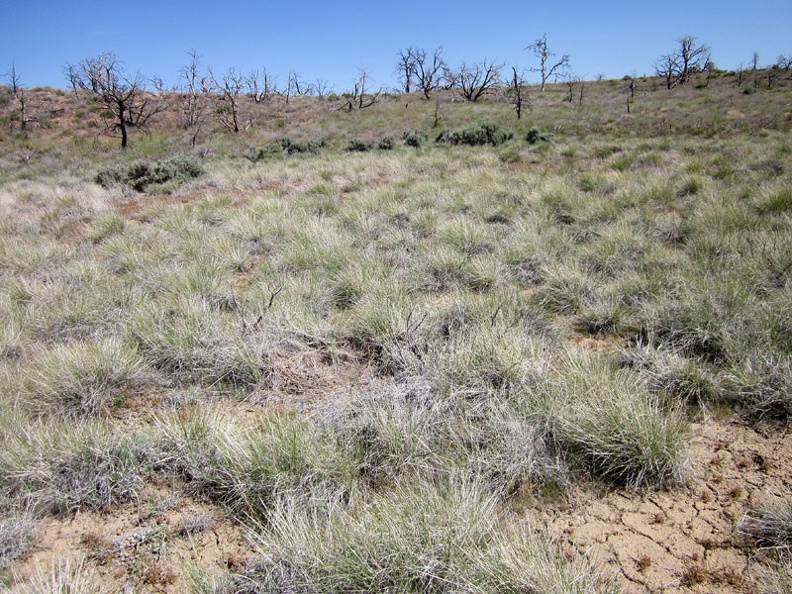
16, 537
80, 379
450, 538
60, 467
64, 575
769, 527
606, 421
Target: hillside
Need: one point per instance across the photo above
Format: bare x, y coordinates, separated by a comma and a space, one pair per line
419, 347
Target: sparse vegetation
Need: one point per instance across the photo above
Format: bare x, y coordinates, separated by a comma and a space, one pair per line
372, 356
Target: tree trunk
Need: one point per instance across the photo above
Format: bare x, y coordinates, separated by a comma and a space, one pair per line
122, 124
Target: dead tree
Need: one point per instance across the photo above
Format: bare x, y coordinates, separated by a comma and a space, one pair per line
677, 66
15, 82
296, 86
430, 71
548, 68
322, 87
478, 79
405, 68
518, 92
125, 97
360, 98
261, 86
229, 87
193, 96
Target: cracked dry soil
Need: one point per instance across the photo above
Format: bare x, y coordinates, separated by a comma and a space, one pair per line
686, 539
671, 542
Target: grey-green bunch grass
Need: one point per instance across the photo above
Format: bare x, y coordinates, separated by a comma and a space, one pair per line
59, 467
250, 471
191, 342
606, 422
422, 538
80, 379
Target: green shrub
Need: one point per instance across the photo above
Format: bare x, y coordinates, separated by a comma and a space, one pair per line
414, 139
386, 144
141, 174
255, 155
534, 135
360, 146
475, 135
292, 147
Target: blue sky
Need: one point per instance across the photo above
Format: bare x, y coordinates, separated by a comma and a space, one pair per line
332, 40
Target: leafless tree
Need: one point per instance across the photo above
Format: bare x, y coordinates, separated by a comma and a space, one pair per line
361, 98
125, 97
261, 85
548, 67
229, 87
322, 87
688, 58
430, 72
194, 104
571, 81
405, 69
784, 62
15, 82
516, 88
756, 70
296, 86
476, 80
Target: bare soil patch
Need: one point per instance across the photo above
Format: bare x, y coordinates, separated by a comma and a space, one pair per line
684, 540
146, 546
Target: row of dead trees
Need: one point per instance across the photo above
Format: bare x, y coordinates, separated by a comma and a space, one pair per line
127, 104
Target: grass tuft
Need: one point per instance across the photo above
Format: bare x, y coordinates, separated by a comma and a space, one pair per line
80, 379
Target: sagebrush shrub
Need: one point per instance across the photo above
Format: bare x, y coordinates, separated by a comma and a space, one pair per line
480, 135
141, 174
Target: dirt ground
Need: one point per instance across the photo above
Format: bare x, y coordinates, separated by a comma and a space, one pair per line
669, 542
685, 540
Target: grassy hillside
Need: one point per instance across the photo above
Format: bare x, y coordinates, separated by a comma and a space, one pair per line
373, 352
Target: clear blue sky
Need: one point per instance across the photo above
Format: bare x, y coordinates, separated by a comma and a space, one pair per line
332, 40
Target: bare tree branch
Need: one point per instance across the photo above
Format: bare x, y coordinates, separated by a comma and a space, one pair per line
517, 91
687, 59
230, 86
405, 68
547, 68
261, 86
124, 97
478, 79
194, 104
429, 71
